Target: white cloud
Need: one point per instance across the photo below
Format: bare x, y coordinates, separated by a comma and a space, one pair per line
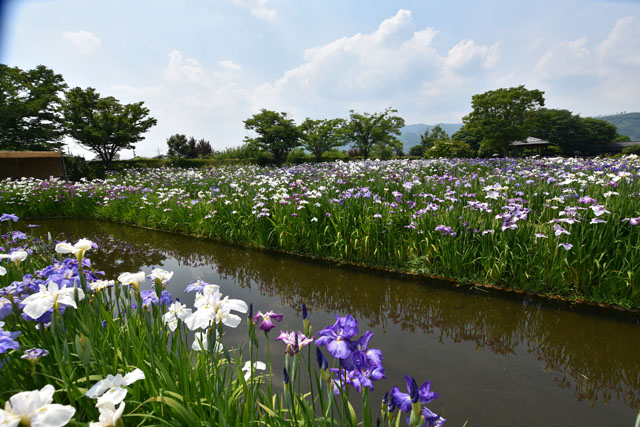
258, 8
185, 70
84, 41
603, 75
395, 65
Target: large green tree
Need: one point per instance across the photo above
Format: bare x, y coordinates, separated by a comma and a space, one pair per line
570, 132
277, 134
320, 136
30, 104
500, 115
103, 125
178, 145
368, 130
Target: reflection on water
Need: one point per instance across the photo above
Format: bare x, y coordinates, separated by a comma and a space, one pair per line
592, 356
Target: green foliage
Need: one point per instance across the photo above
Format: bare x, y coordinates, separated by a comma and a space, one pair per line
178, 145
76, 167
633, 149
416, 151
298, 156
622, 138
103, 125
429, 139
30, 105
468, 135
449, 149
277, 134
368, 130
599, 131
500, 115
333, 155
320, 136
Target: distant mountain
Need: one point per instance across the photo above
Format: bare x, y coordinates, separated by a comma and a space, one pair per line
627, 124
410, 135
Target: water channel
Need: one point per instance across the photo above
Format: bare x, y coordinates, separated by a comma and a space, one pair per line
495, 360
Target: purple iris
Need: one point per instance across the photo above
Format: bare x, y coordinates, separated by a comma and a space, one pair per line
336, 337
9, 217
166, 298
34, 354
7, 340
421, 394
149, 297
5, 308
196, 286
431, 419
267, 319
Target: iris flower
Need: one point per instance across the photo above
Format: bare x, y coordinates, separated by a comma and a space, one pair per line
336, 337
267, 320
421, 394
78, 249
246, 368
109, 415
133, 279
112, 389
212, 307
294, 341
7, 340
175, 311
50, 296
36, 409
16, 256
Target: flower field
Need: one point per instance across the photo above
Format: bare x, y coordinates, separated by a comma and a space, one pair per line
560, 226
76, 349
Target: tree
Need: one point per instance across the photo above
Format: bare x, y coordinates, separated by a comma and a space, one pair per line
572, 133
203, 148
103, 125
178, 145
598, 131
500, 116
469, 136
320, 136
449, 148
428, 140
561, 128
30, 105
366, 130
276, 134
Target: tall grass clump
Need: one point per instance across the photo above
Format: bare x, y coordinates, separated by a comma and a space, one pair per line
78, 348
562, 226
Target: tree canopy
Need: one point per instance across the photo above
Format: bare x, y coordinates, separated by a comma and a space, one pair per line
277, 134
30, 105
501, 115
570, 132
178, 145
320, 136
368, 130
103, 125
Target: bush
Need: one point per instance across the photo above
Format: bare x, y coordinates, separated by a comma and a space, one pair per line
632, 149
297, 156
450, 148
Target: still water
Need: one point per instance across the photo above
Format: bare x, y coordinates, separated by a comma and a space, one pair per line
495, 360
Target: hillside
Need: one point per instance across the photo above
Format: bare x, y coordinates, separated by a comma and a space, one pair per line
627, 124
410, 136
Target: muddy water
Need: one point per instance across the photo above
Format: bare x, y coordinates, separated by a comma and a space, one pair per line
495, 360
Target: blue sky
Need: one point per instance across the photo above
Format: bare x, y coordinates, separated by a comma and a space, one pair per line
204, 66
